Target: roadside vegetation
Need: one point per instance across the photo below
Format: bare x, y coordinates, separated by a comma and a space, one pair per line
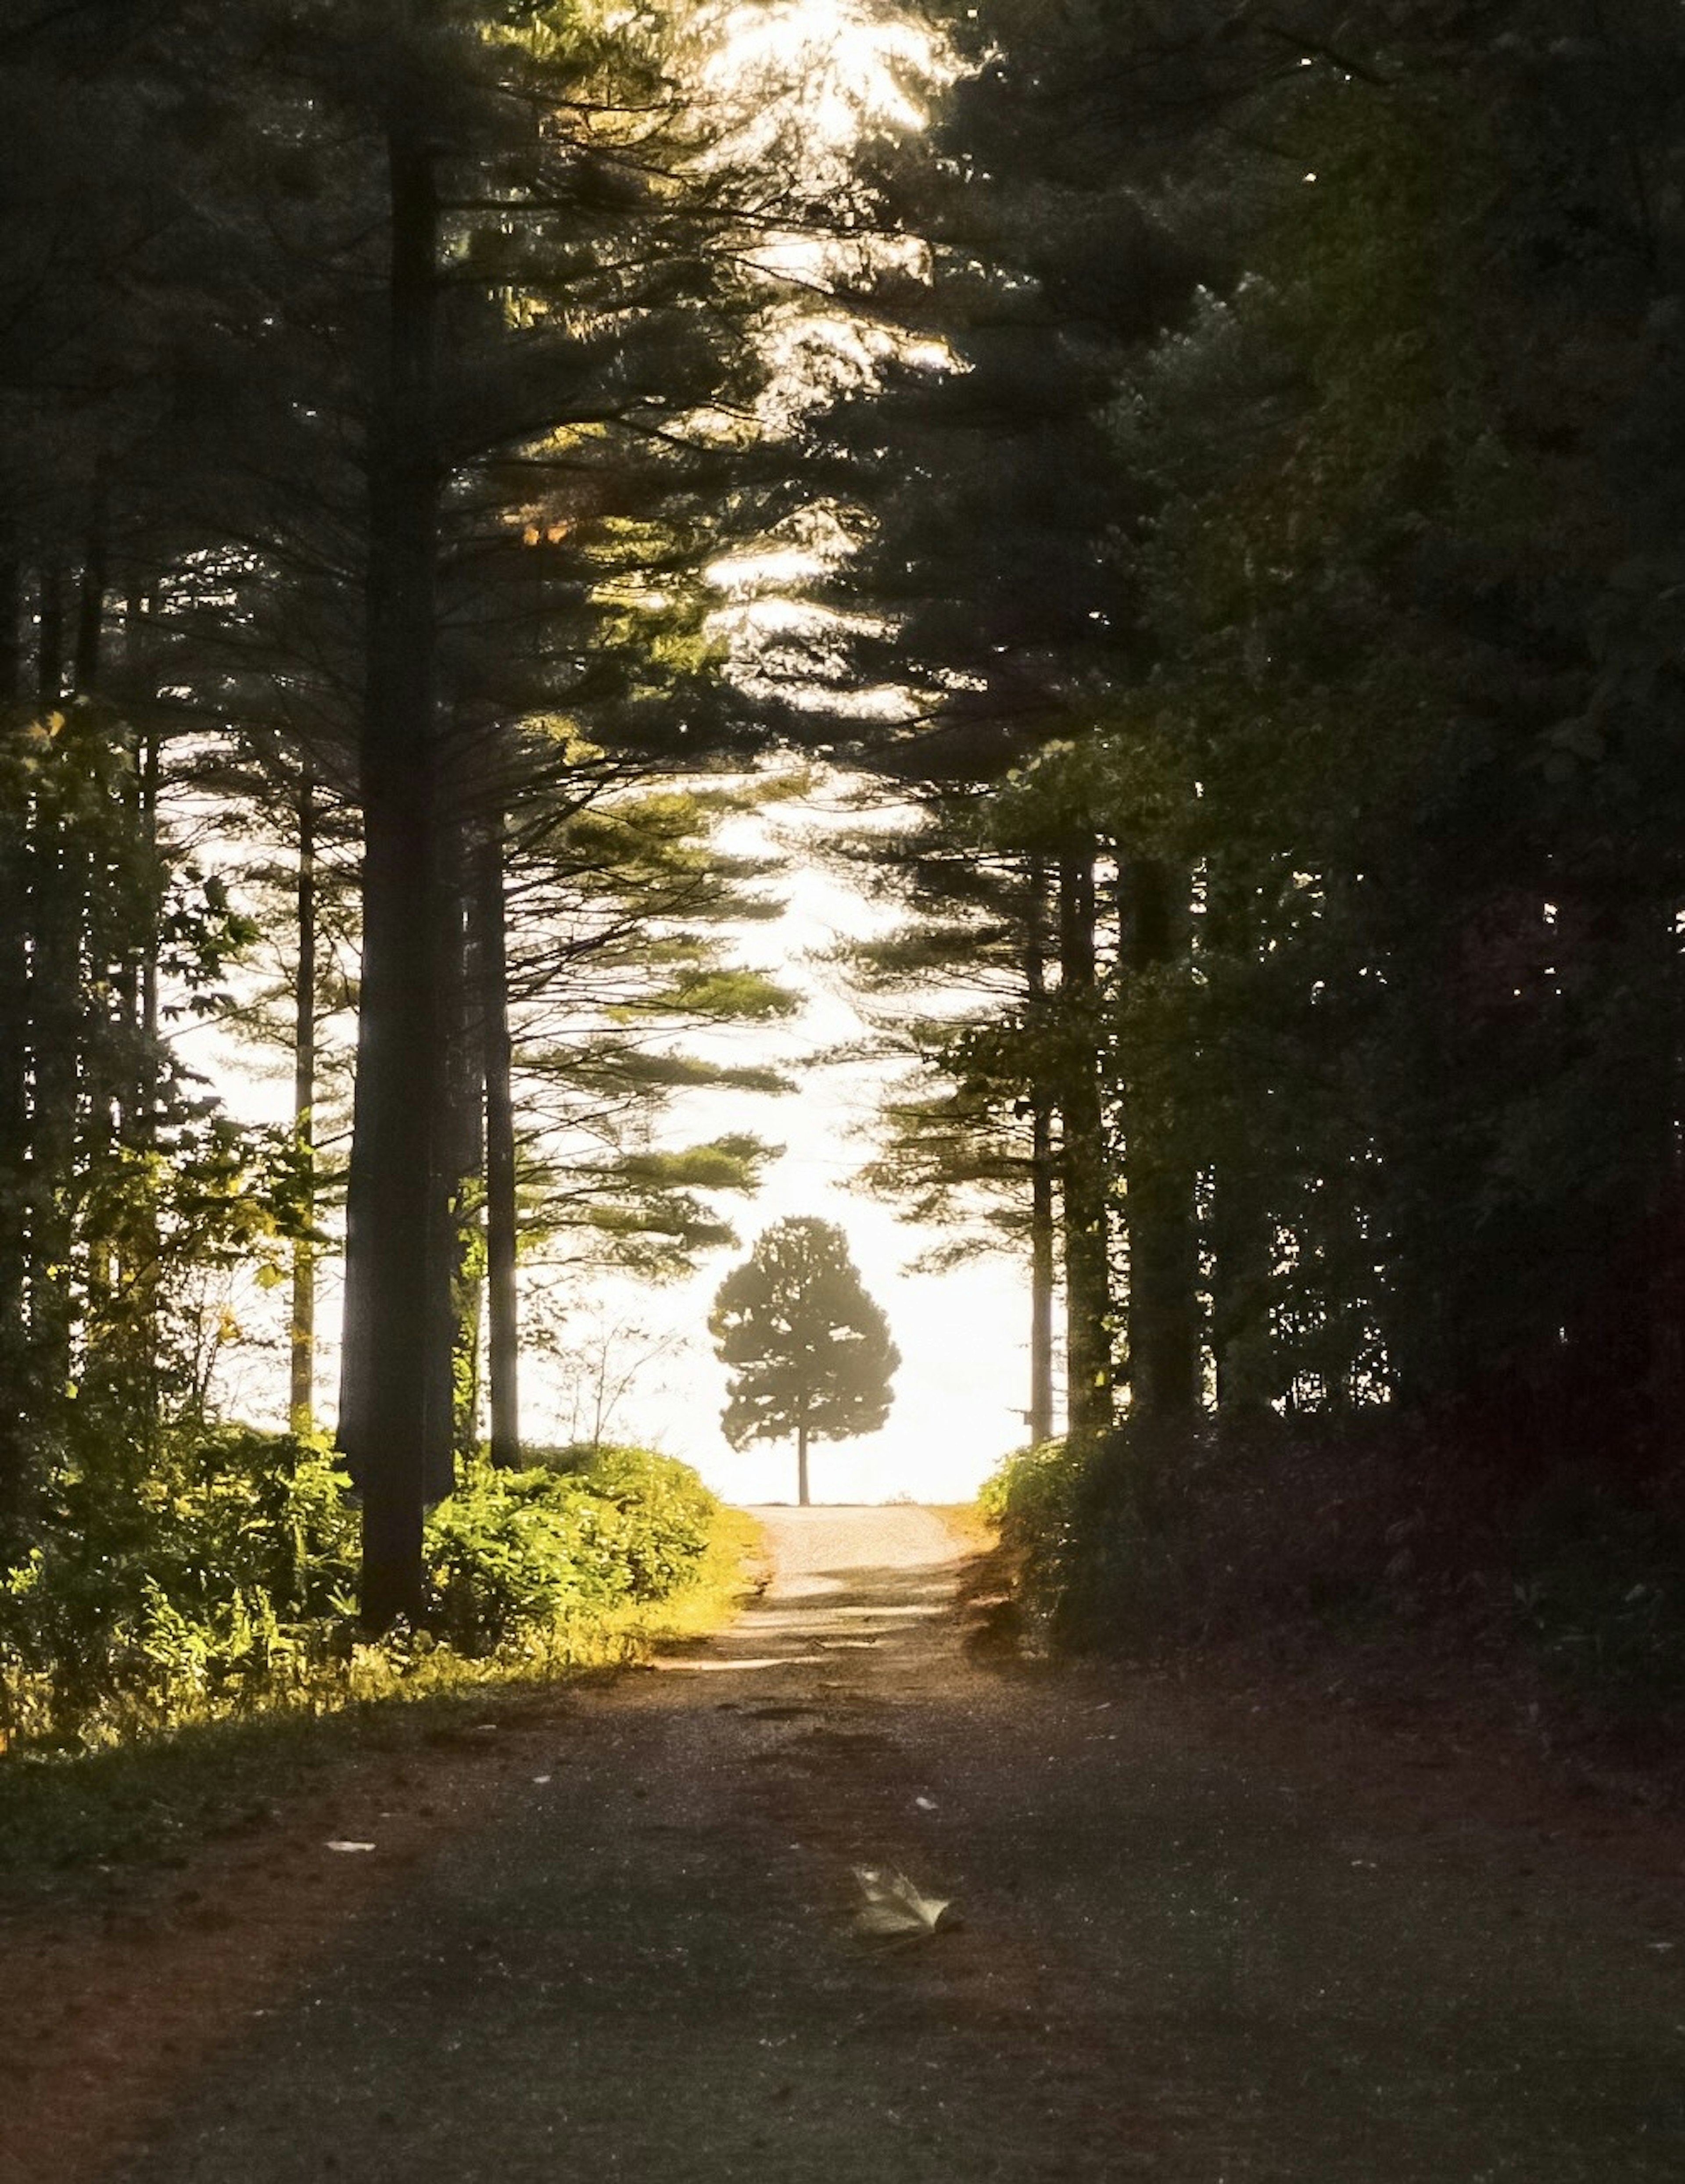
1560, 1612
165, 1670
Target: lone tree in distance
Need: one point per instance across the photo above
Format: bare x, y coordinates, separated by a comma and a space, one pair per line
809, 1352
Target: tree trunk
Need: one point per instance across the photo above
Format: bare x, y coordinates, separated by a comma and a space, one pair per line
301, 1404
1242, 1232
1164, 1319
468, 1162
143, 1130
49, 647
14, 1390
1043, 1239
55, 1035
11, 632
392, 1313
801, 1465
1042, 1178
1088, 1300
90, 613
503, 1301
452, 1395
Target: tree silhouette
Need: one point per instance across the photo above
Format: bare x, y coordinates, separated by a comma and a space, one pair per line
810, 1351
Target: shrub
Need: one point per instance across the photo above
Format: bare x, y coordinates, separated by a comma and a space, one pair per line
1599, 1591
1030, 1494
223, 1576
1161, 1537
511, 1552
669, 1510
226, 1570
1034, 1498
583, 1530
1360, 1541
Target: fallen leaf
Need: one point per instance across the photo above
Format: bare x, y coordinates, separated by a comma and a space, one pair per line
893, 1905
337, 1845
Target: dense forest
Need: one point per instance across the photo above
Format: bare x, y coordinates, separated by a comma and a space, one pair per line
1220, 463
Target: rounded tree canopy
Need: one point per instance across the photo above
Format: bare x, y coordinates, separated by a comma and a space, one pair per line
809, 1352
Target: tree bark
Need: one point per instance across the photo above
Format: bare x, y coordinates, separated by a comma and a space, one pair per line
1042, 1228
1163, 1314
147, 1075
1088, 1297
1242, 1232
15, 1390
49, 643
11, 632
301, 1406
452, 1395
801, 1465
391, 1312
87, 657
56, 1038
503, 1299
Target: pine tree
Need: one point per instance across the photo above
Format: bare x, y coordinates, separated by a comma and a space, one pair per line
809, 1352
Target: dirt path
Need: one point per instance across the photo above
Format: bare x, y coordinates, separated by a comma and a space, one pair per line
1186, 1953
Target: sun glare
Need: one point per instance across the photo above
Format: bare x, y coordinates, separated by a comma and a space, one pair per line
799, 85
833, 68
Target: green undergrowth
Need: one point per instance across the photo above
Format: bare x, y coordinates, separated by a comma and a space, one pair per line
1359, 1545
78, 1821
168, 1660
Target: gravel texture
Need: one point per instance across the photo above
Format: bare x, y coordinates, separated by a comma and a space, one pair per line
1176, 1950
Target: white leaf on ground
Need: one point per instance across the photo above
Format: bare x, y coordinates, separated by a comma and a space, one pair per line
337, 1845
893, 1904
925, 1804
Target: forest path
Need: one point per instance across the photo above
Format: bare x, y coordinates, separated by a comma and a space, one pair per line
1181, 1956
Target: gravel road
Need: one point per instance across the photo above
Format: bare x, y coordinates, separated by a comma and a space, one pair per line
1166, 1958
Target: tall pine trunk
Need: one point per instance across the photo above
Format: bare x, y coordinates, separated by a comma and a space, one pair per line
1242, 1232
88, 657
301, 1403
1163, 1314
393, 1216
454, 1395
1083, 1170
11, 631
50, 653
1042, 1179
15, 1390
503, 1301
55, 1032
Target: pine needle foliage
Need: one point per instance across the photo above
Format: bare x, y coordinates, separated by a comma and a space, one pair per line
810, 1354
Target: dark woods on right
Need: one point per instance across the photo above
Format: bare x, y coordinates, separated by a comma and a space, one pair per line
1297, 547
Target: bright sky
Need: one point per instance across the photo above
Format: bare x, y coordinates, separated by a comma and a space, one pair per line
964, 1383
817, 73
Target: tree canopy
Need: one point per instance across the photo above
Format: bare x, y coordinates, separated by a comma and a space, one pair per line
809, 1352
